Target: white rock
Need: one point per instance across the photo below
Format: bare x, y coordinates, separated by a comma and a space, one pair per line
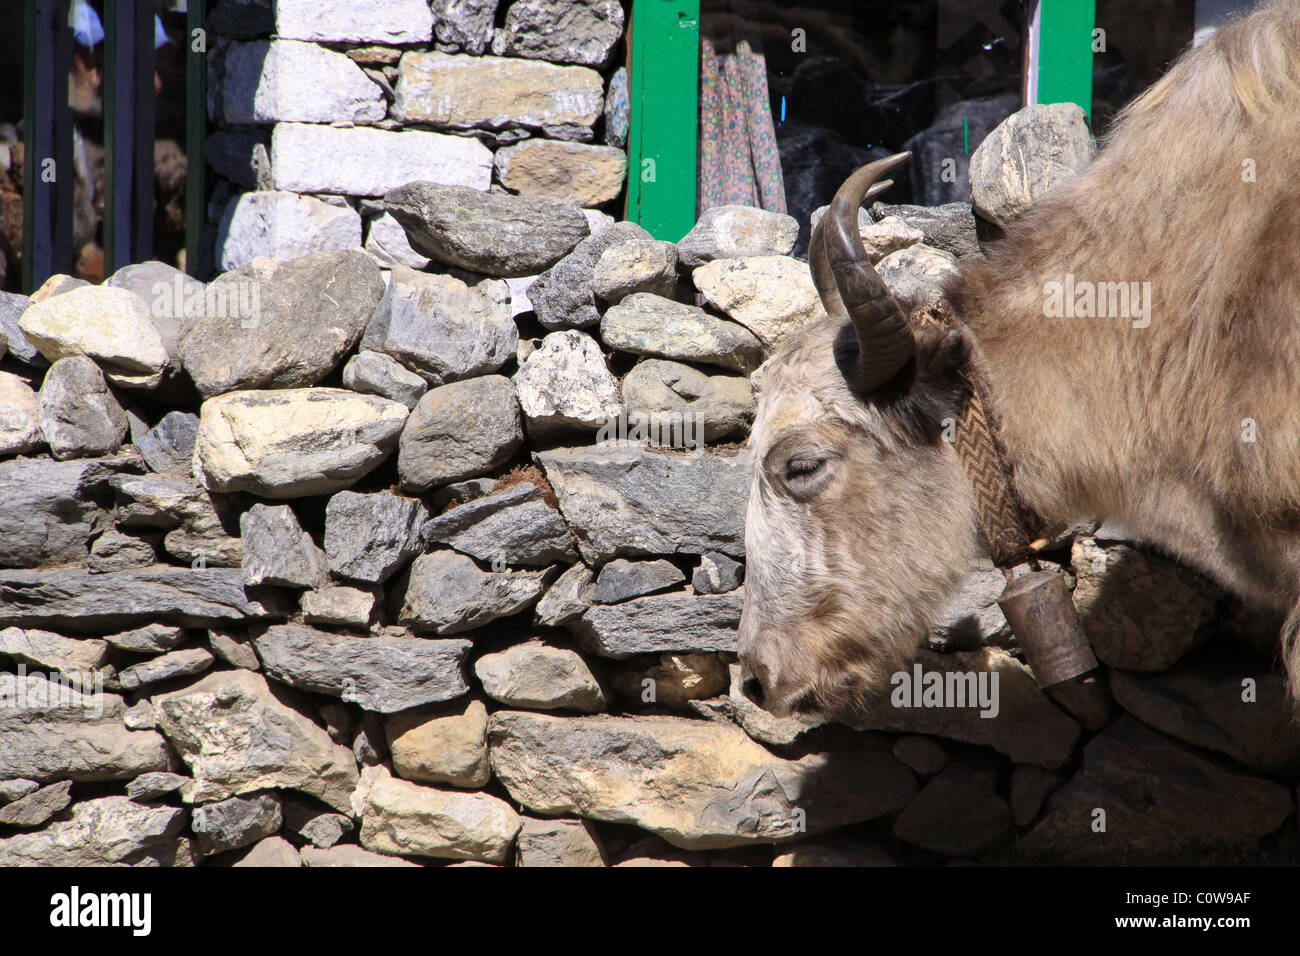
282, 225
728, 232
20, 425
565, 384
917, 273
336, 21
289, 81
387, 242
110, 325
406, 818
769, 295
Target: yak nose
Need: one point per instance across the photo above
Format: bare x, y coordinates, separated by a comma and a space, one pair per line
754, 680
752, 688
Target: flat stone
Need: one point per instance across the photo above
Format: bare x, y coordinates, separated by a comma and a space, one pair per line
109, 325
729, 232
282, 225
371, 162
37, 808
646, 324
338, 605
378, 673
350, 856
565, 385
769, 295
717, 574
47, 514
315, 825
235, 823
241, 155
563, 296
20, 424
386, 241
567, 598
492, 233
237, 738
51, 651
559, 843
275, 81
103, 832
589, 175
368, 537
11, 790
170, 442
255, 441
633, 502
443, 327
677, 621
636, 265
338, 21
670, 399
958, 813
375, 373
413, 820
277, 551
79, 416
970, 618
151, 786
165, 667
150, 639
561, 31
697, 784
436, 448
622, 579
536, 676
448, 594
512, 527
450, 749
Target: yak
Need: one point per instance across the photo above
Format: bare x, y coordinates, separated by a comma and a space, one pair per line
1183, 426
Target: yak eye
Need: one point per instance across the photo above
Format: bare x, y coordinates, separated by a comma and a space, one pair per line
802, 466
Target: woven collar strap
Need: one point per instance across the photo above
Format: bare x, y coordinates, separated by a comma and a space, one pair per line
1010, 528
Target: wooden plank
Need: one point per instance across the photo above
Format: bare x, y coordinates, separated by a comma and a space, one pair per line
664, 83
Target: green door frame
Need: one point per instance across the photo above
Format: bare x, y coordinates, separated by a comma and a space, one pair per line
1058, 63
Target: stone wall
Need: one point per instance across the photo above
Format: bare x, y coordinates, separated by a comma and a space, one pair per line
317, 109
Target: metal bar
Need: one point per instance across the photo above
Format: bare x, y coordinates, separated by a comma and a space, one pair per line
663, 81
48, 174
129, 111
196, 132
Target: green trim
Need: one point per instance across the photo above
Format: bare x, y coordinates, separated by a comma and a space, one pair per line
664, 90
1065, 52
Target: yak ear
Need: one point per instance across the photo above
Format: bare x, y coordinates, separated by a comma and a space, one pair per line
939, 380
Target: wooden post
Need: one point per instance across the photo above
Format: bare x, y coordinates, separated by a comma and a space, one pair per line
1059, 53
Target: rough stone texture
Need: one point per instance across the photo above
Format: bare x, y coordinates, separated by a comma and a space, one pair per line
151, 786
261, 341
663, 394
436, 448
449, 749
448, 594
379, 673
463, 25
574, 31
386, 241
107, 324
235, 823
150, 639
1141, 612
273, 851
646, 324
492, 233
565, 385
51, 651
235, 648
443, 328
237, 737
971, 618
697, 784
45, 515
1163, 803
79, 416
563, 297
559, 843
589, 175
277, 551
12, 307
16, 789
37, 808
342, 21
567, 598
637, 265
103, 832
375, 373
917, 273
498, 95
350, 856
408, 819
286, 81
165, 667
536, 676
1027, 156
678, 621
958, 813
371, 162
20, 426
769, 295
675, 680
77, 600
69, 731
170, 442
622, 579
294, 442
717, 574
630, 502
511, 527
950, 227
315, 825
729, 232
882, 236
282, 225
370, 536
339, 606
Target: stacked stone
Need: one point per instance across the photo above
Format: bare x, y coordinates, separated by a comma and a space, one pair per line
320, 108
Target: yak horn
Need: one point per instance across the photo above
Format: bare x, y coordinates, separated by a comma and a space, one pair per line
851, 289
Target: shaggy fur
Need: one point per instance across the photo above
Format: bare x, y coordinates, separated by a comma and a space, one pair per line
1187, 431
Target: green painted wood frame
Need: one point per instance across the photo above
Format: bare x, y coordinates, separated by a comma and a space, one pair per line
1064, 52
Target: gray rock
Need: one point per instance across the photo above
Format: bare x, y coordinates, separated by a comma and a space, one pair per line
561, 31
165, 667
104, 832
491, 233
565, 385
675, 399
270, 81
536, 676
74, 599
338, 21
622, 579
47, 514
949, 228
282, 225
559, 843
562, 297
37, 808
11, 790
442, 327
377, 374
917, 273
235, 648
237, 737
170, 442
880, 238
339, 606
726, 232
380, 674
1029, 154
67, 730
637, 265
234, 823
272, 851
11, 307
368, 537
20, 416
463, 25
717, 574
658, 623
54, 652
253, 334
79, 416
317, 826
567, 598
436, 448
958, 813
646, 324
172, 298
618, 110
512, 527
448, 594
234, 154
150, 639
387, 243
151, 786
633, 502
277, 551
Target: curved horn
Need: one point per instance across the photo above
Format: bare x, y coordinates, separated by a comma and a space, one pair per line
851, 289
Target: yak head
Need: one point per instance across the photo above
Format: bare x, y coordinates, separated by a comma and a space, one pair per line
860, 520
